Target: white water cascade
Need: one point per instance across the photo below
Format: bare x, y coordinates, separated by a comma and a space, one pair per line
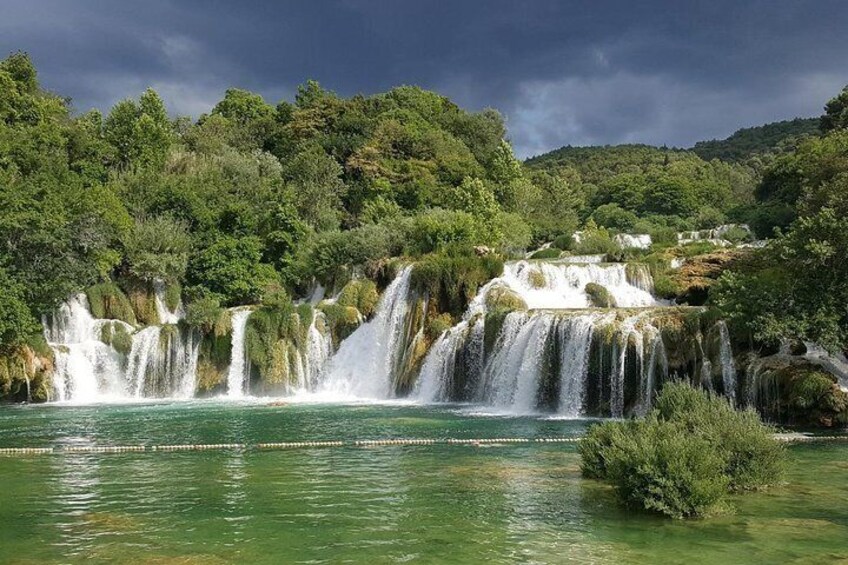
160, 361
549, 285
166, 315
366, 361
86, 369
728, 368
238, 375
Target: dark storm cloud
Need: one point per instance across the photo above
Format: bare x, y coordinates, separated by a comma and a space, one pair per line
563, 72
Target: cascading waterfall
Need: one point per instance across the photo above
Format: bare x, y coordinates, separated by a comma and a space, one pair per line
166, 315
161, 360
85, 368
560, 355
728, 368
548, 285
238, 375
366, 361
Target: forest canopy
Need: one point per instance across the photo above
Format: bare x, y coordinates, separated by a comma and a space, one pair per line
255, 199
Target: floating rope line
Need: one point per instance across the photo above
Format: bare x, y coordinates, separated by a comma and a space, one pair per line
271, 446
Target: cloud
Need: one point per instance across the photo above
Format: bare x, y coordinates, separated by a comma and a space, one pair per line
578, 71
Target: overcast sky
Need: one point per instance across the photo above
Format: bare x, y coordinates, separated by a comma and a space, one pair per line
562, 72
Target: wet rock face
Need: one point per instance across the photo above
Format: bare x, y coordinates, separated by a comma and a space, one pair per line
697, 275
800, 393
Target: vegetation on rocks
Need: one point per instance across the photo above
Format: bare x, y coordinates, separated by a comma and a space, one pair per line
688, 453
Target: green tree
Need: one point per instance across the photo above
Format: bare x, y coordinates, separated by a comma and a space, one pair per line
232, 269
835, 112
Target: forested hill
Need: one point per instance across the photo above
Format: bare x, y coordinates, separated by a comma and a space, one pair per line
747, 142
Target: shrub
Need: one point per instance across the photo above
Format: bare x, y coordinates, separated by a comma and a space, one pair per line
563, 242
452, 281
360, 294
689, 452
204, 313
599, 296
158, 248
595, 241
549, 253
107, 301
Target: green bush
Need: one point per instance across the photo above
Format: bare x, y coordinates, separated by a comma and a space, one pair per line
685, 456
451, 281
549, 253
599, 296
204, 313
564, 242
107, 301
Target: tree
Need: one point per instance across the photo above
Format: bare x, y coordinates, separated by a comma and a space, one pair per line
232, 268
140, 132
835, 113
16, 321
315, 180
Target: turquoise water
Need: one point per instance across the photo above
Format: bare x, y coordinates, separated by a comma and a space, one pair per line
421, 504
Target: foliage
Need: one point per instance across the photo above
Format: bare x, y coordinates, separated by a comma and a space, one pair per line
16, 322
451, 281
158, 248
108, 301
747, 142
685, 456
549, 253
204, 313
232, 268
835, 113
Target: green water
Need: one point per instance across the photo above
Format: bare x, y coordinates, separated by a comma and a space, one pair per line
422, 504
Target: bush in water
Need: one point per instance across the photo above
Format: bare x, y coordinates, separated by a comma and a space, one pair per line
685, 456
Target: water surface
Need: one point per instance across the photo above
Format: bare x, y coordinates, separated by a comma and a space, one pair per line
422, 504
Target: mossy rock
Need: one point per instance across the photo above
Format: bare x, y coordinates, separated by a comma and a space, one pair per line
537, 279
501, 298
599, 296
360, 294
549, 253
438, 325
209, 377
143, 301
341, 320
116, 335
108, 301
21, 365
802, 394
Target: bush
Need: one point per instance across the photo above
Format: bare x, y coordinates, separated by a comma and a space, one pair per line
549, 253
158, 248
563, 242
107, 301
452, 281
689, 452
599, 296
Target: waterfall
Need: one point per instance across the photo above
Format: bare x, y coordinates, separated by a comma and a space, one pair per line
728, 369
85, 368
548, 285
238, 375
583, 259
576, 336
166, 315
366, 361
162, 362
631, 241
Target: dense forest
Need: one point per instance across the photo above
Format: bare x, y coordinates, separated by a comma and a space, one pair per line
255, 203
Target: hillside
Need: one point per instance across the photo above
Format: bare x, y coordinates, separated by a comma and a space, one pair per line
768, 138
